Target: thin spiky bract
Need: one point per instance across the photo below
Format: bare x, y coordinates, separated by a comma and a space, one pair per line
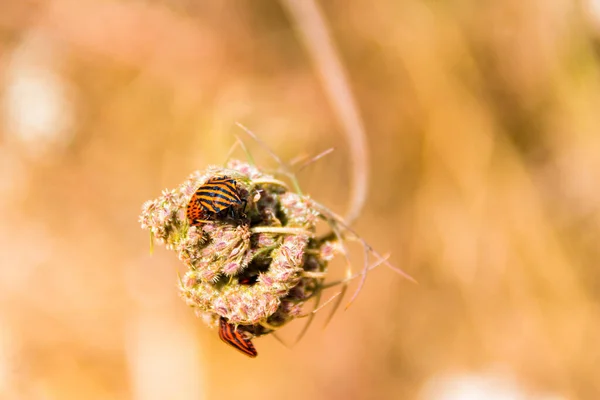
256, 268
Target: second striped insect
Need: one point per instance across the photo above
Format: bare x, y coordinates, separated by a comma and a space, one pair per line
236, 338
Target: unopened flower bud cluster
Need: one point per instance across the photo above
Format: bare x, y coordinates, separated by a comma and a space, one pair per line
249, 266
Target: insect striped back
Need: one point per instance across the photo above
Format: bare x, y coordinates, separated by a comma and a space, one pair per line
215, 195
237, 339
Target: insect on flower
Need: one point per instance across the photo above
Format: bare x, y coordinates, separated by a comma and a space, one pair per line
212, 197
230, 335
252, 274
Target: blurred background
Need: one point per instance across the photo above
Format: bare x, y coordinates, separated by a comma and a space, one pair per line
483, 138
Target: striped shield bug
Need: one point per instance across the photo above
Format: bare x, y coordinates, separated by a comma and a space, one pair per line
212, 197
230, 335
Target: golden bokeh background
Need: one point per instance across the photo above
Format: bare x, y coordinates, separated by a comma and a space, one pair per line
483, 142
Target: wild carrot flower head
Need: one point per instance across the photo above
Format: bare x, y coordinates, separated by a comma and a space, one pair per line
254, 264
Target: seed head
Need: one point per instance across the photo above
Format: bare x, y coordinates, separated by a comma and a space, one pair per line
246, 263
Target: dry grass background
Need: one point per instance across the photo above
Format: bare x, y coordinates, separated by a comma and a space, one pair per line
483, 133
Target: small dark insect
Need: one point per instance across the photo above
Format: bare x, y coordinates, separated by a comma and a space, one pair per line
212, 197
235, 338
